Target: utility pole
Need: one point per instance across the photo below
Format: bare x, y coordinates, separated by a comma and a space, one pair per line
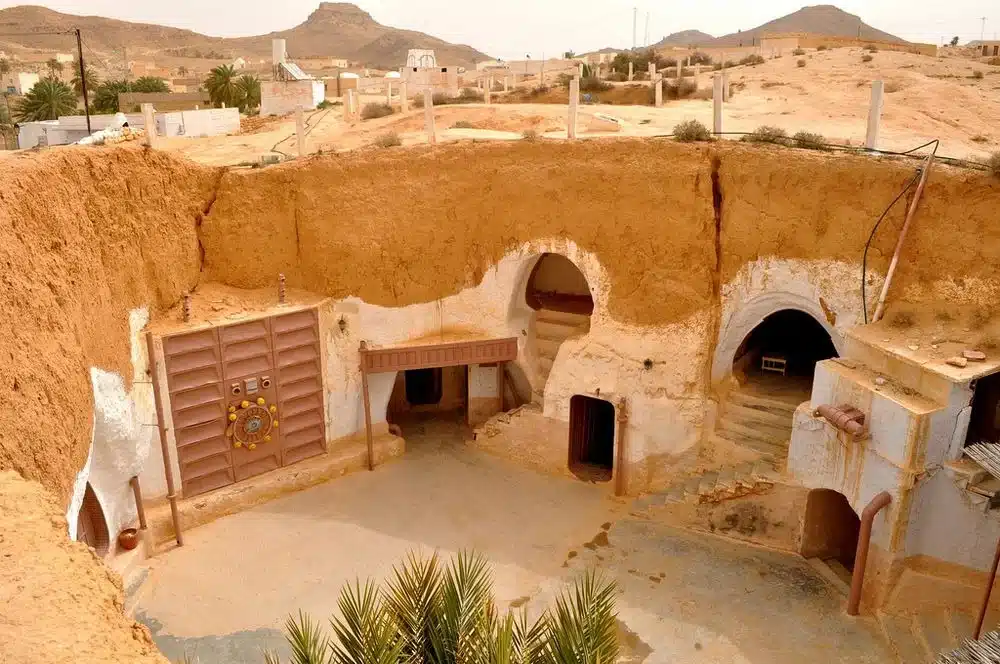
646, 40
982, 33
83, 78
635, 17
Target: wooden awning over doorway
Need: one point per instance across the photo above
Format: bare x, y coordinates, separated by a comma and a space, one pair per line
407, 357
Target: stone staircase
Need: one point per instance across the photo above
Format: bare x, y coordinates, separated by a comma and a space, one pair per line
760, 423
921, 638
552, 328
714, 486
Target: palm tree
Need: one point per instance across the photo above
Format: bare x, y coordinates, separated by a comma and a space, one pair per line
55, 67
250, 87
223, 87
106, 95
92, 80
150, 84
429, 614
4, 67
47, 100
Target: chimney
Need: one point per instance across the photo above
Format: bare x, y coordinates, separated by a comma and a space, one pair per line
277, 52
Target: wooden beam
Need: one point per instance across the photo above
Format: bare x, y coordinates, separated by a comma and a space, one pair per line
368, 407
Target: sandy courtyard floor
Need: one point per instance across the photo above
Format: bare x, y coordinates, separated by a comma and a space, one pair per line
684, 597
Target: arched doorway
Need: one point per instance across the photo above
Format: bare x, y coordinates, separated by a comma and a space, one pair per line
830, 531
559, 293
773, 367
91, 528
591, 438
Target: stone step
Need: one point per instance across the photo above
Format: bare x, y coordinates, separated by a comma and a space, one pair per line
748, 400
899, 630
766, 432
747, 414
547, 347
769, 450
555, 331
562, 317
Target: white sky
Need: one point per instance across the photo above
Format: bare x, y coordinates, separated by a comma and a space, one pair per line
515, 28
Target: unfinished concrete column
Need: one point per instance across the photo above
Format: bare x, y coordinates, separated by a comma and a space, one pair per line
652, 71
300, 130
541, 74
488, 92
581, 70
149, 122
388, 91
874, 115
429, 116
658, 92
404, 99
347, 106
680, 68
506, 86
727, 89
717, 90
574, 107
697, 70
631, 71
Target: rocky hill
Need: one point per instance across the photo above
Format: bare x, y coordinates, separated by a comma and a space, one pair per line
817, 19
333, 29
685, 38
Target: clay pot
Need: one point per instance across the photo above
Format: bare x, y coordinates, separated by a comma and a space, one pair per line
128, 539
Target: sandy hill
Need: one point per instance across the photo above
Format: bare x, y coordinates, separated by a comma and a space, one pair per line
685, 38
333, 29
817, 19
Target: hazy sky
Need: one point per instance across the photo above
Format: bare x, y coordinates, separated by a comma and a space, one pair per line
515, 28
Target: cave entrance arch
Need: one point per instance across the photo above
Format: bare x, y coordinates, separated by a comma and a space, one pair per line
560, 296
777, 359
591, 438
91, 526
830, 531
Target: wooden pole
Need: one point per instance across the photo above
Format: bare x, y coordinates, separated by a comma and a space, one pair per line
368, 406
621, 458
168, 470
986, 596
874, 115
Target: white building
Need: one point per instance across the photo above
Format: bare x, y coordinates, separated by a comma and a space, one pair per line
421, 57
291, 88
18, 83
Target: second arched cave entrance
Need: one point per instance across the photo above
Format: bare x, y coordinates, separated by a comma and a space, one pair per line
830, 531
591, 438
561, 298
773, 370
91, 527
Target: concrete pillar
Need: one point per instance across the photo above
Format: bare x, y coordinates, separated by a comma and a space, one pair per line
404, 99
149, 121
652, 71
680, 68
659, 92
541, 74
631, 72
717, 90
348, 116
874, 115
388, 91
574, 107
429, 116
506, 86
488, 91
697, 70
727, 90
581, 70
300, 131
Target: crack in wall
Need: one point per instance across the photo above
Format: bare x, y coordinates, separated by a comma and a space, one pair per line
205, 211
712, 339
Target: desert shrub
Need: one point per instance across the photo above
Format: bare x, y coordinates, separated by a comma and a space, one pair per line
594, 84
752, 59
809, 141
390, 140
979, 138
692, 131
866, 58
903, 320
772, 84
470, 95
372, 111
529, 135
618, 76
800, 63
442, 99
463, 124
326, 103
993, 164
730, 64
892, 86
994, 61
799, 51
978, 74
699, 58
821, 47
677, 89
872, 48
766, 134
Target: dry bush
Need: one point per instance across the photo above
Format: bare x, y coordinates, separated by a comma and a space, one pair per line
692, 131
799, 51
902, 320
390, 140
994, 61
752, 60
979, 138
594, 84
821, 47
892, 86
463, 124
372, 111
809, 141
866, 58
801, 63
977, 74
529, 135
872, 48
679, 89
772, 84
993, 164
766, 134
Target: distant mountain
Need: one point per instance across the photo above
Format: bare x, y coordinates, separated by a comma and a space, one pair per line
817, 19
685, 38
332, 30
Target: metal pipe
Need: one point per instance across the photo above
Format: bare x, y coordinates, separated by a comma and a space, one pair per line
83, 78
986, 595
861, 557
620, 477
168, 470
880, 309
368, 406
842, 419
137, 493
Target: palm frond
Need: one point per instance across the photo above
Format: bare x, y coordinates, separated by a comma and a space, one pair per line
530, 640
410, 600
460, 630
366, 632
582, 627
271, 657
309, 644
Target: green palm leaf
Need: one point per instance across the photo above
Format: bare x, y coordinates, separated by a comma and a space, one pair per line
366, 632
410, 597
47, 100
583, 628
460, 630
309, 644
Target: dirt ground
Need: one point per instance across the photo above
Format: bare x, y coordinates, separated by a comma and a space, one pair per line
683, 597
926, 98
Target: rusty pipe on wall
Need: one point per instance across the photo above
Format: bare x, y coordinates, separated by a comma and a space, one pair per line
168, 470
986, 595
864, 541
137, 494
848, 420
